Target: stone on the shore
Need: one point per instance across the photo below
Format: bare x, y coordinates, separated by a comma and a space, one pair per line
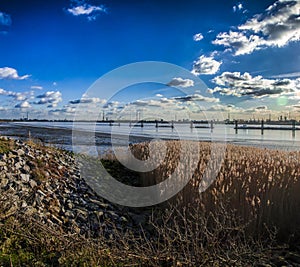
45, 184
25, 177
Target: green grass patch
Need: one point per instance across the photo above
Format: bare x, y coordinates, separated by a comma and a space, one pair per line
6, 146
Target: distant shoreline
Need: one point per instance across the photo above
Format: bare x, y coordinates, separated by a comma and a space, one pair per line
62, 137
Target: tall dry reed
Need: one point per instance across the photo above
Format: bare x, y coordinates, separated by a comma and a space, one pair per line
261, 186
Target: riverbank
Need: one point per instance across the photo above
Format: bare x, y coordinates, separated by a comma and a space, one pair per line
50, 216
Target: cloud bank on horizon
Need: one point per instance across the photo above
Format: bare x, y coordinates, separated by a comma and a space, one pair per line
226, 59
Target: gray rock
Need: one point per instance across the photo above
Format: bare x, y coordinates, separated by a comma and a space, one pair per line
4, 182
25, 177
2, 163
63, 198
26, 168
32, 183
18, 165
20, 152
10, 155
24, 204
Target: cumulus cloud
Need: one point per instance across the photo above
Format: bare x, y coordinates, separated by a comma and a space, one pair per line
111, 104
52, 98
88, 101
24, 104
180, 82
259, 109
5, 19
65, 110
196, 97
10, 73
277, 26
169, 105
225, 108
146, 103
198, 37
206, 65
237, 84
262, 108
84, 9
16, 95
238, 42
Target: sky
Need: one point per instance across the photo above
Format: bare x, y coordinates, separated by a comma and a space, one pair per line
245, 52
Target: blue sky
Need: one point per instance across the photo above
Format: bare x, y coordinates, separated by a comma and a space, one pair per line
246, 52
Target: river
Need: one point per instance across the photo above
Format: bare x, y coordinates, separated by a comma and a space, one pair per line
60, 134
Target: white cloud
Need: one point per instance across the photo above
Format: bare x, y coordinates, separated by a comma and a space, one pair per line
111, 104
146, 103
10, 73
86, 100
238, 41
66, 110
237, 84
225, 108
261, 108
181, 82
196, 97
280, 24
198, 37
24, 104
159, 95
36, 87
172, 103
206, 65
16, 95
276, 27
237, 7
84, 9
52, 98
5, 19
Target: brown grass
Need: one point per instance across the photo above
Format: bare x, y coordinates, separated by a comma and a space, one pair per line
261, 186
6, 145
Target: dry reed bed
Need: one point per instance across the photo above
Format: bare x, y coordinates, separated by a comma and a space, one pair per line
261, 186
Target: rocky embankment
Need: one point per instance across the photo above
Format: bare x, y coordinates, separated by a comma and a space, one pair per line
45, 183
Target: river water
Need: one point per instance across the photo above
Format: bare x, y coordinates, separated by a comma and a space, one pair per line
60, 133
